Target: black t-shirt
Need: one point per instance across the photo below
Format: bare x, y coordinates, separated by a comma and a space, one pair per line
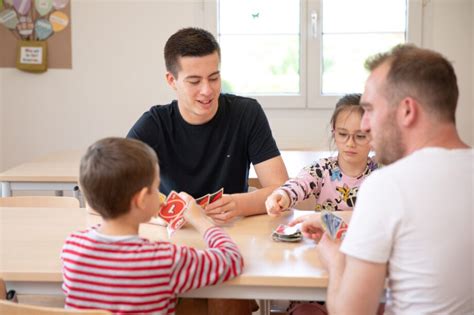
200, 159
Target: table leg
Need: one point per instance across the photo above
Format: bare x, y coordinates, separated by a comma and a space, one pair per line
6, 189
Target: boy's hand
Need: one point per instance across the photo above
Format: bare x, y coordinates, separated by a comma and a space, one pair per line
311, 226
194, 214
277, 202
222, 211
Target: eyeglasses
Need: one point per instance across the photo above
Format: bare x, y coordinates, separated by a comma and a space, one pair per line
360, 138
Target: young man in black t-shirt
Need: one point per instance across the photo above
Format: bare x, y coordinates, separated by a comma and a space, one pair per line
206, 140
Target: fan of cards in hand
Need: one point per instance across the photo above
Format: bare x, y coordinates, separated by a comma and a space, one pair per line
285, 233
333, 225
172, 213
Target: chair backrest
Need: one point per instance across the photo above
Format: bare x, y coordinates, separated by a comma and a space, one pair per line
3, 290
9, 308
39, 201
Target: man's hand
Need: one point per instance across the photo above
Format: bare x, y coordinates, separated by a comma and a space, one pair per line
329, 253
224, 210
311, 226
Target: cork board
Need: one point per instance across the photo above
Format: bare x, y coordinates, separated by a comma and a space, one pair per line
59, 46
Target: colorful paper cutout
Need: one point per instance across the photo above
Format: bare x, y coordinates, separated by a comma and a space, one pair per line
22, 6
9, 18
43, 29
59, 21
60, 4
43, 6
25, 26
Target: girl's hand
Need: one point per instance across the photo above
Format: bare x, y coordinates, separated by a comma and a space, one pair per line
277, 202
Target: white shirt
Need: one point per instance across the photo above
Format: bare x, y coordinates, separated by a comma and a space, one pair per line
417, 215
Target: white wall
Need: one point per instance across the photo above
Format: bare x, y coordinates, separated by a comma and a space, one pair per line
118, 73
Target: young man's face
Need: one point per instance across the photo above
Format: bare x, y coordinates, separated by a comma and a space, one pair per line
198, 86
380, 118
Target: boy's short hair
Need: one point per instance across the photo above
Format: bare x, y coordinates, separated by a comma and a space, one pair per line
188, 42
113, 170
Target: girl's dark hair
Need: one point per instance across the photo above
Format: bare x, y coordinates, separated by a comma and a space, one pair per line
348, 101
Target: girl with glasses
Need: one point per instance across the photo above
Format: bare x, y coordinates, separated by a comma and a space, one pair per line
334, 181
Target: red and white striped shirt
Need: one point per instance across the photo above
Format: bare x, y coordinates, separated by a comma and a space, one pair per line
130, 274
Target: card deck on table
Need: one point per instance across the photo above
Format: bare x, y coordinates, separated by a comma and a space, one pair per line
284, 233
333, 225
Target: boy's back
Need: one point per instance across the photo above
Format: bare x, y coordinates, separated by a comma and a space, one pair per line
109, 266
131, 274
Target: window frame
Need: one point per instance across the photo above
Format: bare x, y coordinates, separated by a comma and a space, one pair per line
310, 68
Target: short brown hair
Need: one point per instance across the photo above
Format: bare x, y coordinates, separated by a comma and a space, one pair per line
347, 102
191, 41
422, 74
113, 170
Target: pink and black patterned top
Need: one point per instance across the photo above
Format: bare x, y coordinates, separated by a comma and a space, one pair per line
334, 191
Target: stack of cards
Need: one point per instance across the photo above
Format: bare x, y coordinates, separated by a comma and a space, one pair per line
285, 233
210, 198
333, 225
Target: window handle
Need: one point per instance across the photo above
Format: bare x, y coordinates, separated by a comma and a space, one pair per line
314, 24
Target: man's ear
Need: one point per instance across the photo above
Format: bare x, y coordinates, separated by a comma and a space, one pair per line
171, 80
138, 200
408, 111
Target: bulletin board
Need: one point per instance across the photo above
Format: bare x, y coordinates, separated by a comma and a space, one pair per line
59, 46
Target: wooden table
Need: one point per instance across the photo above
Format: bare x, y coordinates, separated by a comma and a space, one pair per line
60, 171
31, 241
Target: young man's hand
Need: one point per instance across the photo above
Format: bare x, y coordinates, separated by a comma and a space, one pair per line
224, 210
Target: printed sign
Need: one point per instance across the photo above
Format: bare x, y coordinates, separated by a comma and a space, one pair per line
31, 55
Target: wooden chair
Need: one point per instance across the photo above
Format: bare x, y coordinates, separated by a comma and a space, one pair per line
9, 308
39, 201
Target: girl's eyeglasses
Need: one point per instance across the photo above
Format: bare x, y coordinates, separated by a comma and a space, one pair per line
360, 137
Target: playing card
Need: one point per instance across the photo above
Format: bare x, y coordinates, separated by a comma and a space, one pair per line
174, 207
333, 225
216, 196
204, 200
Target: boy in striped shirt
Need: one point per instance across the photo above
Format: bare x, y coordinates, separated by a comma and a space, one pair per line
109, 266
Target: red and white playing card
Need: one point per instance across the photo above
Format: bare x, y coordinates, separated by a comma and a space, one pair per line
175, 205
216, 196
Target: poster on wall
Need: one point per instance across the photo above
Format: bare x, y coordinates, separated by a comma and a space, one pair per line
35, 34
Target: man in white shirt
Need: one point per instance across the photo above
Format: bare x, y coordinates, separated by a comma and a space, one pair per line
412, 223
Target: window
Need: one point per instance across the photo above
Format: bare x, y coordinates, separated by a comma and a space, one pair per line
305, 53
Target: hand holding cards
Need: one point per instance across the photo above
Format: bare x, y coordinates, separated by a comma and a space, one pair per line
333, 225
173, 211
285, 233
